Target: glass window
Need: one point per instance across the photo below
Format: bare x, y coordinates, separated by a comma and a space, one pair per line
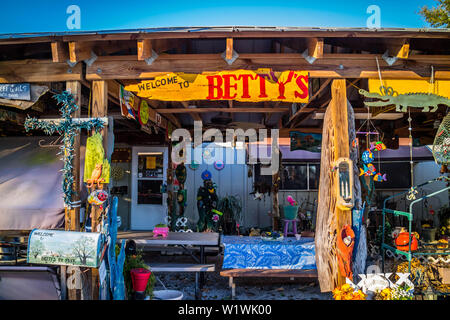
314, 176
398, 175
149, 192
294, 177
150, 165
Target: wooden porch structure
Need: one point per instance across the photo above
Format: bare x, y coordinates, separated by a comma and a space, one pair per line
339, 62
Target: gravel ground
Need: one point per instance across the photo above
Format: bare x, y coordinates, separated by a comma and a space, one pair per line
216, 287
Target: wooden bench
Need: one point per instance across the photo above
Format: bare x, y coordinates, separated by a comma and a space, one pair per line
265, 273
184, 267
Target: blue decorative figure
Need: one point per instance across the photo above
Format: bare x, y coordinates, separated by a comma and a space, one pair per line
69, 129
117, 282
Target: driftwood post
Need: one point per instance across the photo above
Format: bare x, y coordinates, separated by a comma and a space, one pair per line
99, 109
331, 219
72, 216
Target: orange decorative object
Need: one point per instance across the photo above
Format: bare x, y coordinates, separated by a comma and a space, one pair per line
345, 244
402, 242
96, 176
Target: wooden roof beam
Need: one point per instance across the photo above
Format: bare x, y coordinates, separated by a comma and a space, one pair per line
194, 116
38, 71
399, 49
193, 111
322, 87
144, 49
60, 51
79, 51
330, 66
229, 50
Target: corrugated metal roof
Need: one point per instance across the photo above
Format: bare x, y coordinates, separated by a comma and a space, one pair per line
219, 29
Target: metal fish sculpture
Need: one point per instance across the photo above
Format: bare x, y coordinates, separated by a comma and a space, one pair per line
379, 177
367, 156
369, 170
378, 146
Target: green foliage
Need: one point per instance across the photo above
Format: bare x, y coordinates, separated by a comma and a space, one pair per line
438, 16
134, 262
231, 207
387, 234
161, 225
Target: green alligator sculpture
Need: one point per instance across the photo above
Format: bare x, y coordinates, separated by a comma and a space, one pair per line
403, 101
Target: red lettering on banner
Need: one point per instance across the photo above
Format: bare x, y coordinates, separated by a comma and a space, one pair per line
262, 85
213, 87
227, 86
303, 86
282, 85
245, 77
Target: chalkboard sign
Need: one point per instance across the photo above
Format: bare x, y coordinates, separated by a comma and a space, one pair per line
15, 91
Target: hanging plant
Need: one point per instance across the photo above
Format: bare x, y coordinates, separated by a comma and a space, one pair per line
231, 207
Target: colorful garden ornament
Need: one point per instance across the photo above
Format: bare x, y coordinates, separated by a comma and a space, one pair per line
206, 175
96, 166
402, 101
367, 156
219, 165
194, 165
441, 150
368, 170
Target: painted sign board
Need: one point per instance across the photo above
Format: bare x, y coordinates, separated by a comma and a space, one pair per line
15, 91
68, 248
439, 87
239, 85
133, 107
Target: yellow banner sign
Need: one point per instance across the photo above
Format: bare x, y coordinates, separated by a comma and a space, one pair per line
439, 87
239, 85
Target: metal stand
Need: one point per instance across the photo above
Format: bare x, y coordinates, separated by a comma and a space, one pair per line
408, 254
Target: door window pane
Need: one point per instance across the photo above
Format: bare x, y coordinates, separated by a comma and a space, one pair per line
294, 177
149, 192
150, 165
314, 176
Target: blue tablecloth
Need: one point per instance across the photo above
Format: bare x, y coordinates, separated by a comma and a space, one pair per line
254, 253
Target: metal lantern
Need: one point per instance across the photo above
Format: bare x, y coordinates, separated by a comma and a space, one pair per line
344, 186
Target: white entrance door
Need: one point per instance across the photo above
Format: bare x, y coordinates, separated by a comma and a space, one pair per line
149, 173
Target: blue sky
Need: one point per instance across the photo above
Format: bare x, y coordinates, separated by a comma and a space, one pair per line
50, 16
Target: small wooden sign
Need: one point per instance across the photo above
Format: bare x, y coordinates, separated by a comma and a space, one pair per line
121, 155
15, 91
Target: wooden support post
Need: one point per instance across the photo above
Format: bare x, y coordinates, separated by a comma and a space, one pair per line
315, 47
79, 51
99, 109
60, 51
229, 50
72, 216
144, 49
331, 219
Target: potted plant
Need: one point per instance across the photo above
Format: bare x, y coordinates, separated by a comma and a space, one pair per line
136, 261
444, 222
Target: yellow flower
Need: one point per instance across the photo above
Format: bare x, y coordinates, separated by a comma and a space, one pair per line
346, 287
